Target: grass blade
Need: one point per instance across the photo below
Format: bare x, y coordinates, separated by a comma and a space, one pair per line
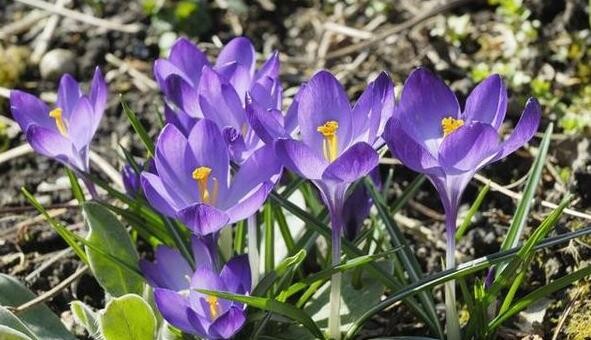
269, 238
139, 128
473, 209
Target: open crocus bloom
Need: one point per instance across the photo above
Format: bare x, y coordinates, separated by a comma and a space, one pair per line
337, 141
430, 134
193, 183
195, 89
175, 294
63, 133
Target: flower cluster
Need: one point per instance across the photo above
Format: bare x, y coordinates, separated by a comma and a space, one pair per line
227, 139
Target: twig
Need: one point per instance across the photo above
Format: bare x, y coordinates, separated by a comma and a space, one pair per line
145, 82
348, 31
50, 293
23, 24
386, 33
53, 259
4, 92
45, 37
82, 17
20, 150
13, 210
107, 168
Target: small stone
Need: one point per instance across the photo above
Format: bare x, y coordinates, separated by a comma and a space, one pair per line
57, 62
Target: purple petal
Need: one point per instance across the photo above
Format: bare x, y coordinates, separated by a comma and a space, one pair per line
268, 124
209, 149
175, 163
228, 324
167, 203
236, 275
98, 97
199, 322
238, 76
81, 123
203, 219
487, 103
409, 152
270, 68
219, 101
250, 203
188, 58
356, 162
163, 69
174, 308
53, 145
299, 158
267, 92
424, 102
235, 143
183, 95
179, 118
202, 253
322, 100
170, 270
27, 109
525, 129
469, 147
68, 94
239, 50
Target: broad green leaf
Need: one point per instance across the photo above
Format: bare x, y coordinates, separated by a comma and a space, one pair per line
109, 235
273, 306
39, 319
128, 317
85, 316
11, 321
7, 333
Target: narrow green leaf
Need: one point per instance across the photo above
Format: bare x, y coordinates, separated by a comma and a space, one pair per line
283, 227
139, 128
128, 318
240, 237
77, 191
269, 238
273, 306
473, 209
108, 234
271, 277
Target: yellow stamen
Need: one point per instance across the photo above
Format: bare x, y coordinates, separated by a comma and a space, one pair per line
244, 130
214, 307
330, 147
201, 175
449, 125
59, 121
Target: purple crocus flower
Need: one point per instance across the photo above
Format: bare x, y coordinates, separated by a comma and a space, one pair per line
195, 89
180, 303
430, 134
193, 181
63, 133
336, 148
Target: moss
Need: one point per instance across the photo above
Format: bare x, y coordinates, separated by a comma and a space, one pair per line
13, 64
578, 326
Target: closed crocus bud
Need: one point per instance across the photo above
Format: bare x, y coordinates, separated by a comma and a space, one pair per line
131, 180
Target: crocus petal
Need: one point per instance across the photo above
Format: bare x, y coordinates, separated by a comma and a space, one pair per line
219, 102
236, 275
250, 203
68, 94
179, 118
488, 102
228, 324
175, 163
202, 253
167, 203
209, 150
408, 151
239, 50
203, 219
235, 142
163, 69
372, 110
322, 100
199, 322
27, 109
268, 124
525, 129
81, 123
188, 58
183, 95
98, 96
238, 76
356, 162
267, 92
424, 102
173, 307
300, 158
270, 68
52, 144
170, 270
468, 147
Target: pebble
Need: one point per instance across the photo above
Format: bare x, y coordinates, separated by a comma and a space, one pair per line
57, 62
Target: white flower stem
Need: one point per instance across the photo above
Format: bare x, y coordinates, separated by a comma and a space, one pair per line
453, 325
253, 249
334, 320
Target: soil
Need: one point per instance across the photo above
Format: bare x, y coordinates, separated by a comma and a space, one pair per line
295, 28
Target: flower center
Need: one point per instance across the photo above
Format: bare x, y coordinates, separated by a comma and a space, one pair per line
330, 146
214, 307
201, 175
449, 125
59, 121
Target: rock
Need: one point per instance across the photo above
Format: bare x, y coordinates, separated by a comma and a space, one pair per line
57, 62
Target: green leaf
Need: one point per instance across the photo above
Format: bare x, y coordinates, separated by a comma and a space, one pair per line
273, 306
12, 322
139, 128
39, 319
109, 235
77, 191
473, 209
269, 238
285, 265
128, 317
85, 316
7, 333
